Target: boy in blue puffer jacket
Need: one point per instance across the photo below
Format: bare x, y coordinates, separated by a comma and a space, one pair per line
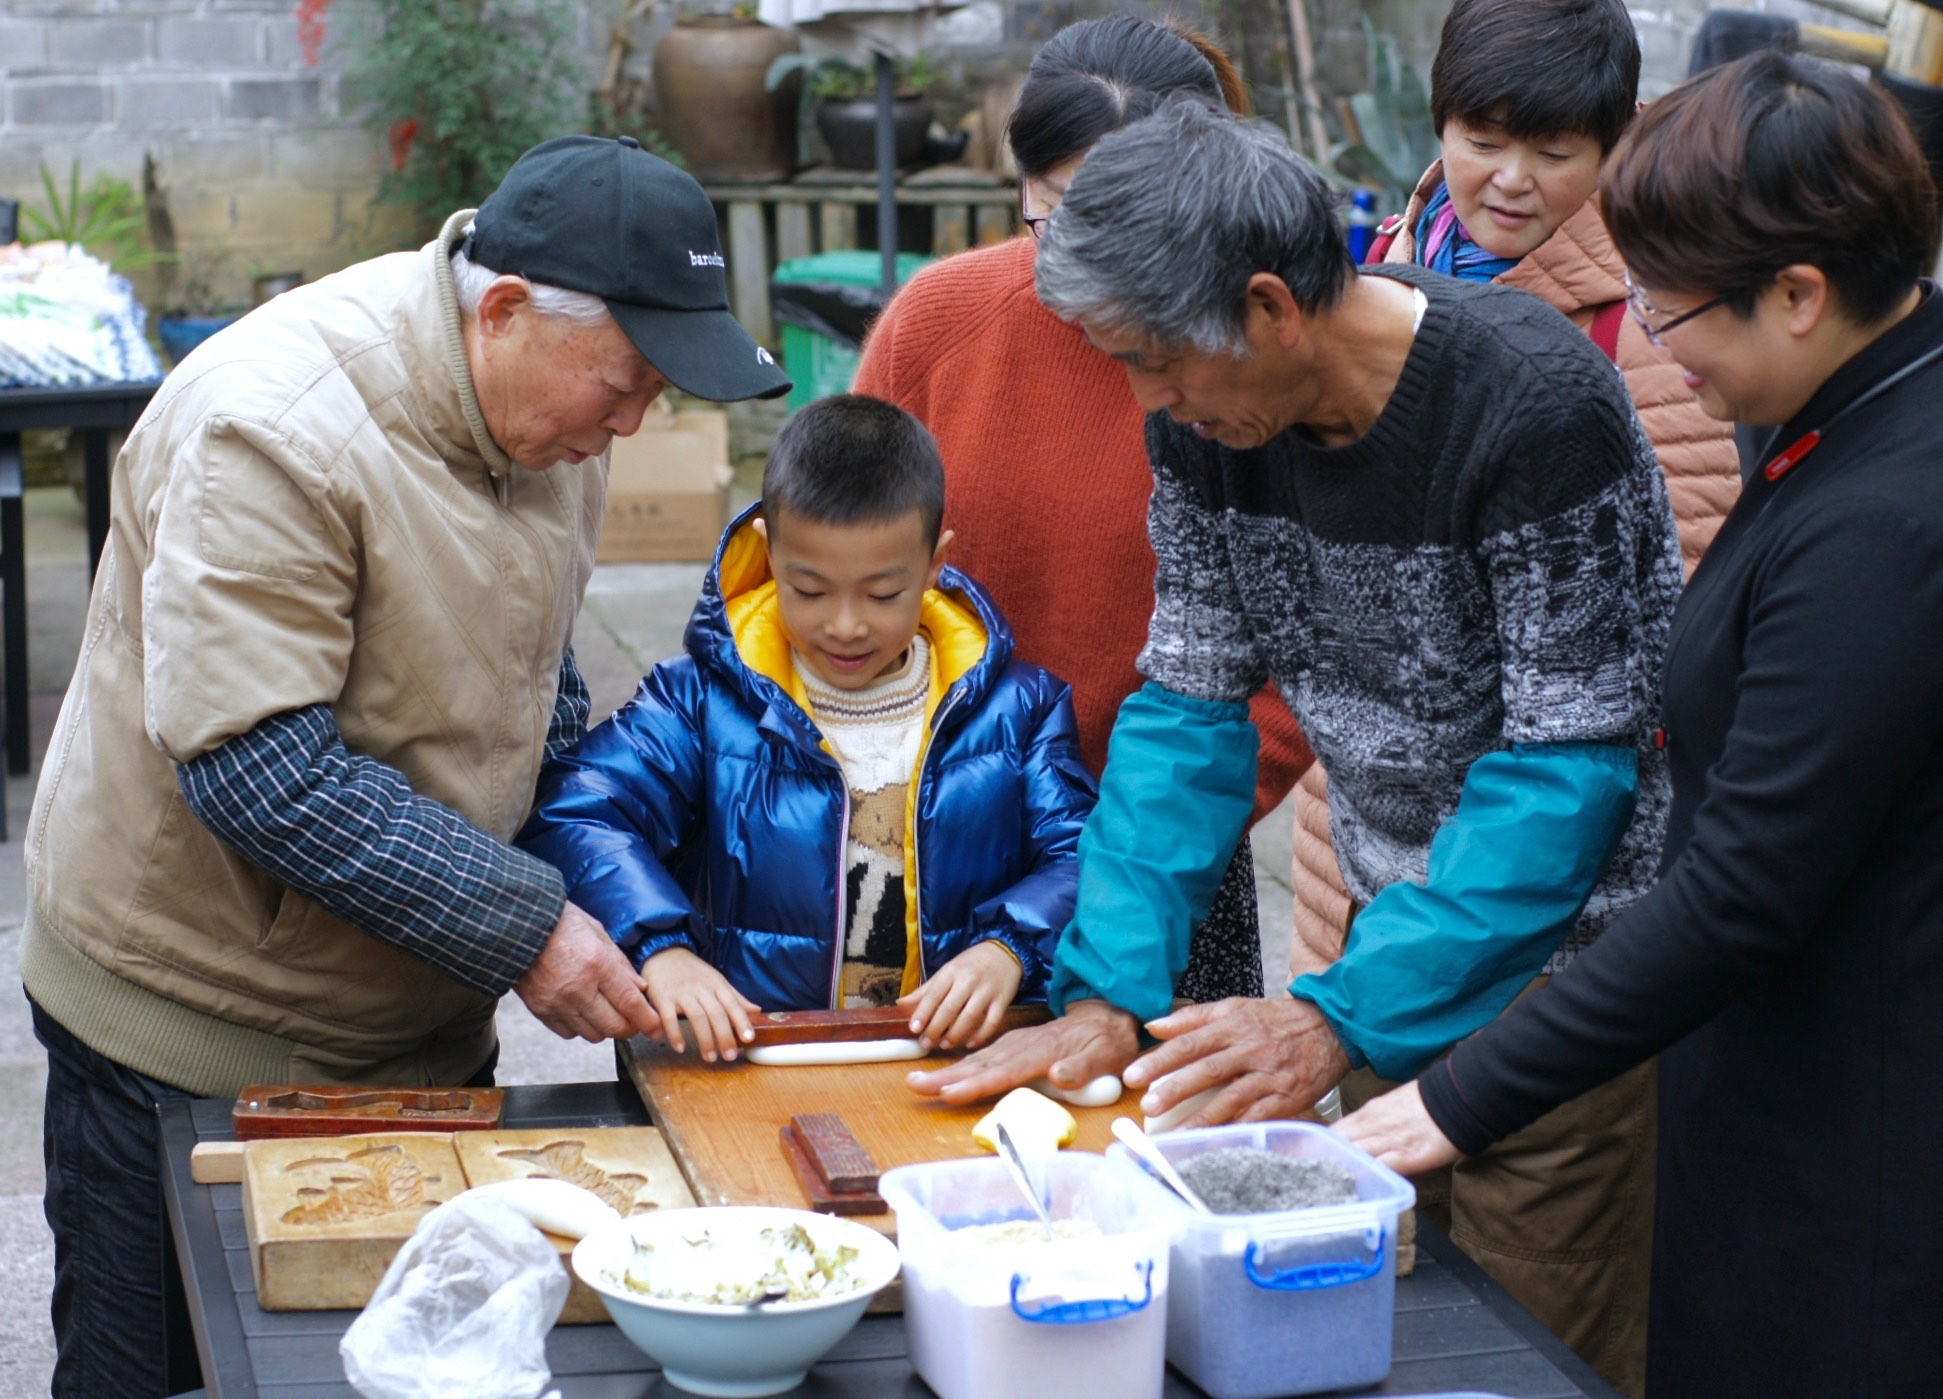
847, 792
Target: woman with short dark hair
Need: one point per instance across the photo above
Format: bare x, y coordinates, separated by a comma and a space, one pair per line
1778, 218
1045, 465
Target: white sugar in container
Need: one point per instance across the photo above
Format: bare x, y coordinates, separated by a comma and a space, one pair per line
1286, 1302
1076, 1318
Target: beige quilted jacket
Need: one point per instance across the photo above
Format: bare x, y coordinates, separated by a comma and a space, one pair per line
307, 513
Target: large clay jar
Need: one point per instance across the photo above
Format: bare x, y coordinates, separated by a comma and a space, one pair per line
708, 74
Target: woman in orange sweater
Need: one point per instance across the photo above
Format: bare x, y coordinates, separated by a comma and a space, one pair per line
1045, 459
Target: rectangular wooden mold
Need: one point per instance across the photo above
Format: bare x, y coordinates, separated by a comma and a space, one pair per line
294, 1110
325, 1216
861, 1024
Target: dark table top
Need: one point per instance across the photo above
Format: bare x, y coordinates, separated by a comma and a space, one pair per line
89, 406
1456, 1330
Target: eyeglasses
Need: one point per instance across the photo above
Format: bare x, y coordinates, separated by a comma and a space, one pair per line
1035, 224
1643, 311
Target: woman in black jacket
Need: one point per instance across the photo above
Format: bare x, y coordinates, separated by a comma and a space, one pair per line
1778, 218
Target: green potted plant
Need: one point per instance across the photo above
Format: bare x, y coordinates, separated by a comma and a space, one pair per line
458, 89
843, 98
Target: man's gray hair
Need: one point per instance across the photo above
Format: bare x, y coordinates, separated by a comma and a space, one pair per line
470, 280
1167, 220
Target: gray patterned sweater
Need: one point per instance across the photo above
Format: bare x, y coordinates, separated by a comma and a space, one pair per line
1493, 563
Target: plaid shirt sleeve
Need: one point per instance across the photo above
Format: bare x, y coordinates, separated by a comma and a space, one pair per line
349, 833
571, 707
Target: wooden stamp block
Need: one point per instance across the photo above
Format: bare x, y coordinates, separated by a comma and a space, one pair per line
325, 1217
822, 1197
839, 1158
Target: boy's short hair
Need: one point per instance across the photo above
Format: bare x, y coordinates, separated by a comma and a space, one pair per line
852, 459
1538, 68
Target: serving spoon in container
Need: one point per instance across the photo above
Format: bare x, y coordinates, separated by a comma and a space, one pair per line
1009, 1153
1149, 1155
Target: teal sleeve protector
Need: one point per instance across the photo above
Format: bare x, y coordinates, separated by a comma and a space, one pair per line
1428, 964
1174, 801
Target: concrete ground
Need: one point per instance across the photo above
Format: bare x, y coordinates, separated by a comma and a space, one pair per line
633, 617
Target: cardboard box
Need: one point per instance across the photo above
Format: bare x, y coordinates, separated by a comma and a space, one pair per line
668, 489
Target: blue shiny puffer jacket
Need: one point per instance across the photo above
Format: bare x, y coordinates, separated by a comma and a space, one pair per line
707, 813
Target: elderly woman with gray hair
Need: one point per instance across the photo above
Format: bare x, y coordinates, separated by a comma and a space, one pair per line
327, 652
1425, 509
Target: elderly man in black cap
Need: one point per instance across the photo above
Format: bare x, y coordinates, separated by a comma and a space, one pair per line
327, 652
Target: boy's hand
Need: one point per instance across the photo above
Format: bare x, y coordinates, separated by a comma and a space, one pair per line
681, 985
964, 1002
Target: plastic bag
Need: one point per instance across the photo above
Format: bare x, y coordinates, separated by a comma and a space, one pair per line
463, 1310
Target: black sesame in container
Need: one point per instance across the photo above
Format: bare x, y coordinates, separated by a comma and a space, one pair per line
1290, 1287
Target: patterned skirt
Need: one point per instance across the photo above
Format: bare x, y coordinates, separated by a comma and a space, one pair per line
1225, 956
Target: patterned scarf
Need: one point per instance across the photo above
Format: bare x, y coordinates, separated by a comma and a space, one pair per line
1444, 245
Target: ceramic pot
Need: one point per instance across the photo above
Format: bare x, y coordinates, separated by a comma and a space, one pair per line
849, 128
708, 73
181, 334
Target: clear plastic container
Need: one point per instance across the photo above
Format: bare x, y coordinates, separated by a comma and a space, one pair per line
1080, 1319
1289, 1302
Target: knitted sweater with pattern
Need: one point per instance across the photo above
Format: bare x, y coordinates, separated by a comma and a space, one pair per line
1046, 481
1493, 563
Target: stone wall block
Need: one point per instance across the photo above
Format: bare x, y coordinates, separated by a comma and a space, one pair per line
206, 159
95, 44
208, 43
339, 158
20, 161
169, 102
42, 102
275, 99
280, 214
23, 45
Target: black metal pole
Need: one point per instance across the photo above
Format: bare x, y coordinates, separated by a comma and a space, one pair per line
887, 172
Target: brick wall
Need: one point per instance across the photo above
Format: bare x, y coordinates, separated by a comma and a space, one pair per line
256, 150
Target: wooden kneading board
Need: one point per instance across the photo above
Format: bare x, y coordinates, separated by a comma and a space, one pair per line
722, 1121
326, 1215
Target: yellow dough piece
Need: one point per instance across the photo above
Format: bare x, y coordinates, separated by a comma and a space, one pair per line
1035, 1123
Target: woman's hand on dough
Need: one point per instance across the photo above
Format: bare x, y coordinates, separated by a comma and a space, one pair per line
965, 999
1092, 1038
680, 985
1399, 1131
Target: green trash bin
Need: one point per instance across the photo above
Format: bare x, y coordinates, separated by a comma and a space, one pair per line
824, 304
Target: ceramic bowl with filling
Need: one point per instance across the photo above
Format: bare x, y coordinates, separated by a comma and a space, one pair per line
684, 1286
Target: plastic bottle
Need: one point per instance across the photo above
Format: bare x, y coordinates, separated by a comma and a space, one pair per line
1362, 224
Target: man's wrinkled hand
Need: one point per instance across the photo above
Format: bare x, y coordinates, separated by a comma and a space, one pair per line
581, 984
1090, 1039
1270, 1060
1399, 1131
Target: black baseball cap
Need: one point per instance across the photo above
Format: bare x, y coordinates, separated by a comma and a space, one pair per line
607, 218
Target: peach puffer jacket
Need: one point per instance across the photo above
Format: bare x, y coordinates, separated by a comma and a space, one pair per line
1576, 270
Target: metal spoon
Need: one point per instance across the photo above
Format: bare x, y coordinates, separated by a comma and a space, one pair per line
1009, 1154
774, 1294
1142, 1146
